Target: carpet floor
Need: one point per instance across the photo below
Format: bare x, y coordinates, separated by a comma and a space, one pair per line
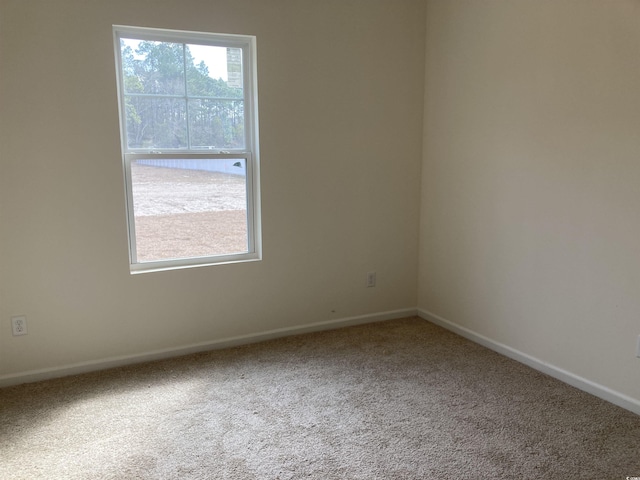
401, 399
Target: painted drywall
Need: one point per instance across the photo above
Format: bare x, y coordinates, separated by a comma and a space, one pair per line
340, 105
531, 180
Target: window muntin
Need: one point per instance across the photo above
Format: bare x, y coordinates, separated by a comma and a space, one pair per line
189, 141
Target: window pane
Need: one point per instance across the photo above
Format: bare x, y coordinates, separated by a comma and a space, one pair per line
216, 123
154, 68
214, 71
156, 122
189, 208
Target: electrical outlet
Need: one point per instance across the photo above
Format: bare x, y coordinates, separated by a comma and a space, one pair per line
19, 325
371, 279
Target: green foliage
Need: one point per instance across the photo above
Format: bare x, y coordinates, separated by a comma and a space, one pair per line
158, 108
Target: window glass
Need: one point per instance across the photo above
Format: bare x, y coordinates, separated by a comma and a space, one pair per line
189, 208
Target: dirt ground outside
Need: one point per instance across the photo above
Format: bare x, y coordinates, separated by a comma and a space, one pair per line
188, 213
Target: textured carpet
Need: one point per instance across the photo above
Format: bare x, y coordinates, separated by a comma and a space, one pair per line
402, 399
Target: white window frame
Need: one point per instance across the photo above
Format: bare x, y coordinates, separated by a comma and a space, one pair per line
249, 153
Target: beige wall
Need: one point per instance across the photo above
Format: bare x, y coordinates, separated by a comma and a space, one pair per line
529, 216
530, 221
341, 88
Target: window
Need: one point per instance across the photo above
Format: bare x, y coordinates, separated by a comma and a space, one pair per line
189, 133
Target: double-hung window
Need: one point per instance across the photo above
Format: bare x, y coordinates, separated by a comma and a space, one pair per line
189, 133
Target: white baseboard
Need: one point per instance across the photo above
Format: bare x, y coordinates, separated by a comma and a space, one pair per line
581, 383
112, 362
584, 384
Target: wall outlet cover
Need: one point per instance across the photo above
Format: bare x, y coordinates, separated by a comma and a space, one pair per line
19, 325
